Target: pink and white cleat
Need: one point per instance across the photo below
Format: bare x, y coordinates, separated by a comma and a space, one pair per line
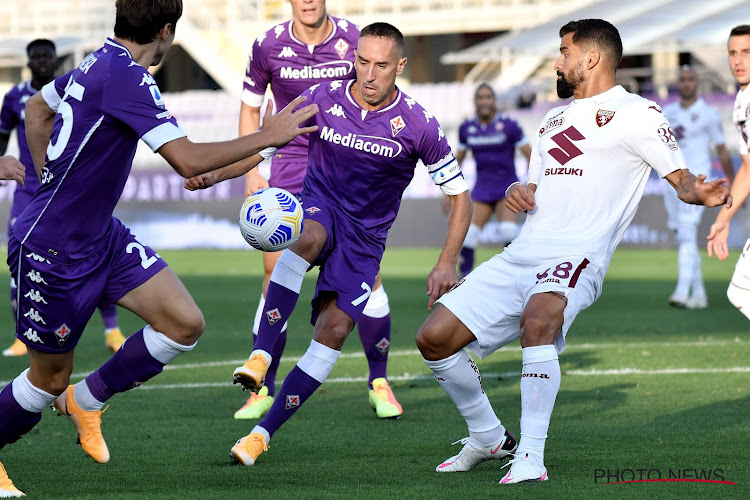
525, 469
472, 454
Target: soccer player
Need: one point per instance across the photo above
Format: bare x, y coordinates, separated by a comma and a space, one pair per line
738, 292
493, 138
311, 48
697, 126
370, 137
589, 167
42, 63
69, 254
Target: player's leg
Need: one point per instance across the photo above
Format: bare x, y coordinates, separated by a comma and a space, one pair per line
283, 292
375, 334
113, 337
541, 322
687, 257
17, 348
738, 291
480, 215
509, 226
331, 330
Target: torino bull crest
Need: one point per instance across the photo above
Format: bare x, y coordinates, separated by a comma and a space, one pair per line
271, 219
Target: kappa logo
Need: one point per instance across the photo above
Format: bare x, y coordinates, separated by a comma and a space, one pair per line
336, 110
603, 117
37, 257
36, 277
410, 102
383, 346
336, 84
278, 30
33, 336
397, 125
287, 52
250, 81
313, 87
428, 116
260, 39
62, 333
147, 79
34, 315
292, 401
312, 210
441, 135
273, 316
35, 296
343, 24
341, 48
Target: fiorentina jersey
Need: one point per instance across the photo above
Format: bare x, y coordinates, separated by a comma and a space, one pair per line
493, 145
741, 118
364, 160
12, 116
696, 129
103, 107
278, 58
590, 163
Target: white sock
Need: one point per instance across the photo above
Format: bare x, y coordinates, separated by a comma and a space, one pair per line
459, 377
377, 304
261, 430
472, 236
30, 397
318, 361
162, 348
84, 399
258, 314
540, 382
290, 270
685, 258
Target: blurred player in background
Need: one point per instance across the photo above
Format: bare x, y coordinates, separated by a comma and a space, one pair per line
493, 138
738, 292
70, 255
371, 136
42, 63
311, 48
697, 126
587, 174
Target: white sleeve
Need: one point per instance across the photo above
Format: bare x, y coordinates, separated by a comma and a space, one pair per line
51, 97
654, 141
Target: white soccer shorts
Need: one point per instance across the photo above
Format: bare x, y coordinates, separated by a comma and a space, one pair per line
490, 300
739, 287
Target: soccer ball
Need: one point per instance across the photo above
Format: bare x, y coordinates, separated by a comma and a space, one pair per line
271, 219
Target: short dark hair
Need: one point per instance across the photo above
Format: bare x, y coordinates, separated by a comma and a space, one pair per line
742, 29
484, 85
597, 32
141, 20
40, 42
384, 30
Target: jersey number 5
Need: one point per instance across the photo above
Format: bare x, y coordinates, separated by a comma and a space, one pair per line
567, 150
74, 90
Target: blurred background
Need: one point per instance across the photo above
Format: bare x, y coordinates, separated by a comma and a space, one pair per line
451, 45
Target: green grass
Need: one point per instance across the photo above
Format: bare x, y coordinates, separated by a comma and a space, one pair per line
174, 442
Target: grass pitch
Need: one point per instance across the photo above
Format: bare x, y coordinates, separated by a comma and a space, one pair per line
645, 388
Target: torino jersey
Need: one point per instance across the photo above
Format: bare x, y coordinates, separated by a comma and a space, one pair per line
103, 107
493, 145
696, 129
590, 164
278, 58
741, 118
363, 160
12, 116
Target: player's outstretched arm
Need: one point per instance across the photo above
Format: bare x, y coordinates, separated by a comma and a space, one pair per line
694, 190
190, 159
719, 234
12, 169
249, 123
39, 120
443, 275
520, 198
242, 167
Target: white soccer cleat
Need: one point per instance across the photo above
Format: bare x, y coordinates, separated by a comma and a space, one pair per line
472, 454
696, 302
678, 300
525, 470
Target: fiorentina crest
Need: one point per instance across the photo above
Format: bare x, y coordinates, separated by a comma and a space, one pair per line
273, 316
62, 333
397, 125
341, 48
292, 401
603, 117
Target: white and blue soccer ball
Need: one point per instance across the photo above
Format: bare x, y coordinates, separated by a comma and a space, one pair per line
271, 219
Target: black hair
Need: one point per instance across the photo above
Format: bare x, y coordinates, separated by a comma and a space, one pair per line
598, 33
40, 42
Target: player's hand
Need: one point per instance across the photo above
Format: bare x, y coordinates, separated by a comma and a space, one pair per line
202, 181
12, 169
440, 280
285, 125
254, 182
717, 240
520, 199
713, 193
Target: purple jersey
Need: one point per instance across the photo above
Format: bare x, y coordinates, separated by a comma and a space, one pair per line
364, 161
493, 145
290, 67
12, 116
103, 107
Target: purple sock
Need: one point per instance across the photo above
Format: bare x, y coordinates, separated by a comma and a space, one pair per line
14, 420
127, 368
278, 350
280, 302
375, 334
109, 316
298, 386
465, 261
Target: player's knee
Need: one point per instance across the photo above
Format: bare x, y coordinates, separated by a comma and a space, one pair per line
430, 341
538, 330
190, 327
54, 382
311, 241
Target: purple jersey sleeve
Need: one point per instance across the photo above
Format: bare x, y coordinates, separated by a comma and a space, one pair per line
462, 136
136, 101
257, 75
8, 118
517, 137
432, 145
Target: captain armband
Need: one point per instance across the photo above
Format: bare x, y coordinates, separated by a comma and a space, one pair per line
446, 174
